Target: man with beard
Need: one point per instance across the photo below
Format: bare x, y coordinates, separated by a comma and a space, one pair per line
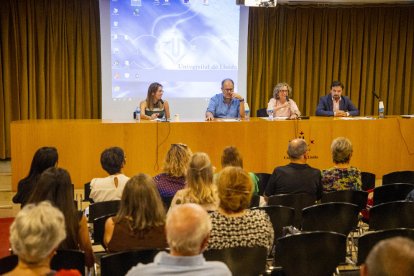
334, 104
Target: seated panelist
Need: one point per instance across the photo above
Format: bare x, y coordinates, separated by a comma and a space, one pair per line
334, 104
227, 104
154, 107
281, 105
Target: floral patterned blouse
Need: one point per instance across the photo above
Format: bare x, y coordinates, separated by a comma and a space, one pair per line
336, 179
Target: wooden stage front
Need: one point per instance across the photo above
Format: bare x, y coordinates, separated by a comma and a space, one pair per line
380, 146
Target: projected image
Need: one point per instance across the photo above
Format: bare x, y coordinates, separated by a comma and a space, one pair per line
189, 46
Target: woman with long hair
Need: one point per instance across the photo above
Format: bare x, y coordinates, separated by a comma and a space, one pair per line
175, 167
200, 188
140, 221
154, 107
44, 158
56, 186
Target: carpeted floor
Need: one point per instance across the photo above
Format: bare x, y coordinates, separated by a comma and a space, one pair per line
4, 236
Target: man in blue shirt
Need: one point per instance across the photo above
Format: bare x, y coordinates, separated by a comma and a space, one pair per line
188, 229
228, 104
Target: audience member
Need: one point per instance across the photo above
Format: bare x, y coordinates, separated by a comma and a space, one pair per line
297, 176
334, 104
175, 168
35, 234
188, 228
200, 188
232, 157
110, 187
410, 196
234, 225
342, 176
44, 158
154, 107
227, 104
280, 104
390, 257
56, 186
140, 220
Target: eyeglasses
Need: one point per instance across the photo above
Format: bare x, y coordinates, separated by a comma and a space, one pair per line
229, 90
283, 90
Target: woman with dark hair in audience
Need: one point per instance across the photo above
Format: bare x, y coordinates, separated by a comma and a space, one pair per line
232, 157
110, 187
175, 168
56, 186
342, 176
154, 106
140, 221
44, 158
200, 188
234, 225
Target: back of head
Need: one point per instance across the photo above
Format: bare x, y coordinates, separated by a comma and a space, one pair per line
56, 186
113, 160
187, 227
231, 157
341, 149
235, 189
177, 160
36, 231
44, 158
297, 148
141, 202
390, 257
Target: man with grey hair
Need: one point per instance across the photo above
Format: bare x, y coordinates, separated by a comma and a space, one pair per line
188, 229
394, 256
297, 176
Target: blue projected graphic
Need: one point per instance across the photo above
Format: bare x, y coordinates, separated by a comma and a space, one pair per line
188, 46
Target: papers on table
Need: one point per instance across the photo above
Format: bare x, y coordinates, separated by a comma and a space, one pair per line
407, 116
355, 118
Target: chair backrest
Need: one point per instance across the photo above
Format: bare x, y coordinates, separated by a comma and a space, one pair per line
120, 263
368, 181
99, 228
240, 260
8, 263
87, 192
311, 253
358, 198
255, 201
280, 216
263, 179
167, 201
103, 208
398, 177
367, 241
396, 214
69, 259
295, 201
261, 112
392, 192
337, 217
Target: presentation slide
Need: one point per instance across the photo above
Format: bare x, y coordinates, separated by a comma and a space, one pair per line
188, 46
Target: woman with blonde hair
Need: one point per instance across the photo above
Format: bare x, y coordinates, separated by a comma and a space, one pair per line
172, 178
342, 176
280, 104
140, 221
234, 225
200, 188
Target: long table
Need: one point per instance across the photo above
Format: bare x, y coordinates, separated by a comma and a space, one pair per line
380, 145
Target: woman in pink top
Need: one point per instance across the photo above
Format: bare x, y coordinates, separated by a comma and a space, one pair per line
281, 105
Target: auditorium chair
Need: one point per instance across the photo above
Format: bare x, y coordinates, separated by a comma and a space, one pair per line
99, 209
311, 253
367, 241
392, 192
368, 181
99, 228
358, 198
398, 177
121, 262
240, 260
8, 263
396, 214
69, 259
295, 201
262, 112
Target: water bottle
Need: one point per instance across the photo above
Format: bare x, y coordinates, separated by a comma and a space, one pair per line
137, 114
270, 113
381, 110
246, 111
